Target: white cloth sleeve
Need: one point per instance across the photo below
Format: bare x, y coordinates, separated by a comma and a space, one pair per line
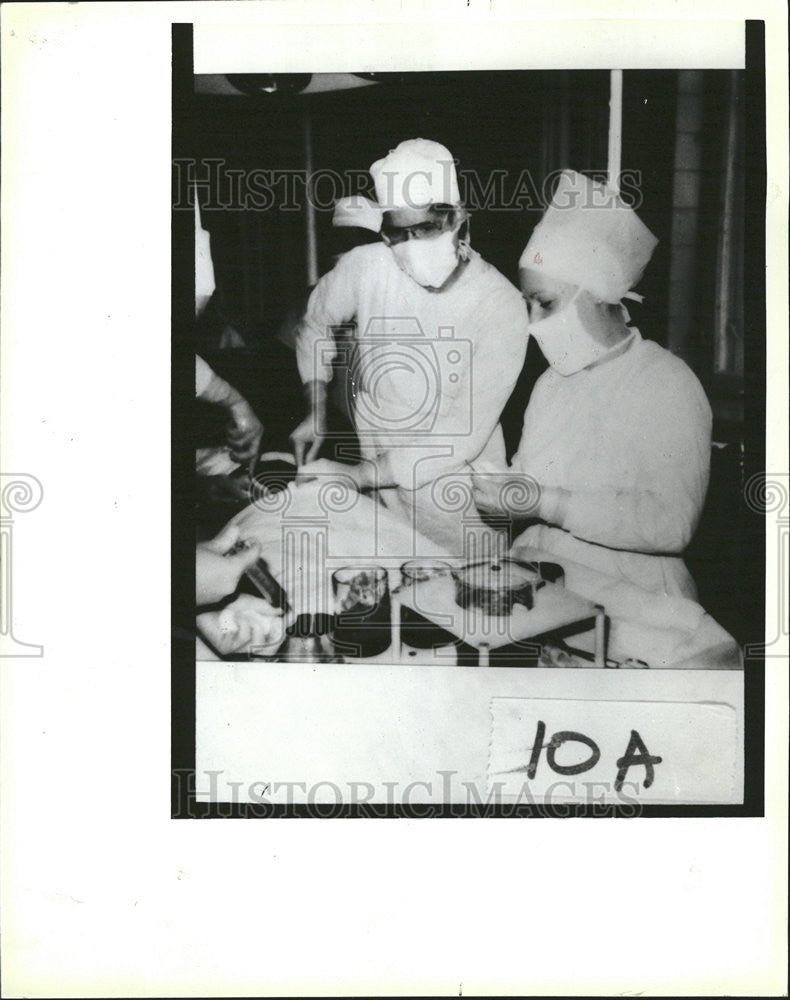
203, 375
672, 431
332, 303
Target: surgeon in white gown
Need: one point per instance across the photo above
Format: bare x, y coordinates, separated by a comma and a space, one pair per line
615, 452
440, 340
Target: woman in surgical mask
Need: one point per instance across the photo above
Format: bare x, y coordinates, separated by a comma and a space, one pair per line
573, 329
614, 457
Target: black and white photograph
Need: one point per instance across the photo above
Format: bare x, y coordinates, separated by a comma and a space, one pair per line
476, 409
394, 498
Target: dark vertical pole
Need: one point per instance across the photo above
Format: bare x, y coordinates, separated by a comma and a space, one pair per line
728, 321
615, 147
311, 252
682, 332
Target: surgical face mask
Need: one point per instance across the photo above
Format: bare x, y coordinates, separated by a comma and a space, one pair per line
429, 262
565, 342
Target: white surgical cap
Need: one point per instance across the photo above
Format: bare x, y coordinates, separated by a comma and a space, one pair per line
204, 267
591, 238
357, 211
415, 174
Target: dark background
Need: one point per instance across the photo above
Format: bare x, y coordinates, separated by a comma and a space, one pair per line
515, 122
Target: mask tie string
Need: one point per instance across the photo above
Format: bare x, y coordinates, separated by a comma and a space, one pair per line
634, 297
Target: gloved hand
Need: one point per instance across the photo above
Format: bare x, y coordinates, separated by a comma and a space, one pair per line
249, 624
244, 432
217, 575
307, 438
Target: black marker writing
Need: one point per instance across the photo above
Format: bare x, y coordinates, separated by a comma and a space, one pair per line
636, 753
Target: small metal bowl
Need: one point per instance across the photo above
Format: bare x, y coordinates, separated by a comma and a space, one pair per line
494, 586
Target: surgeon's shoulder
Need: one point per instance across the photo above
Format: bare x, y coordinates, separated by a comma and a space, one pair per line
495, 279
662, 373
355, 269
360, 259
497, 291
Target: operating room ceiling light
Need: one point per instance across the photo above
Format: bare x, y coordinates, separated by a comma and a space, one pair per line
269, 83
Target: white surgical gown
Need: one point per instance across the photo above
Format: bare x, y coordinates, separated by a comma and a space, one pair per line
203, 375
431, 373
630, 440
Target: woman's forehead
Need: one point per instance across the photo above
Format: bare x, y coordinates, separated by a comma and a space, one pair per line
535, 282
